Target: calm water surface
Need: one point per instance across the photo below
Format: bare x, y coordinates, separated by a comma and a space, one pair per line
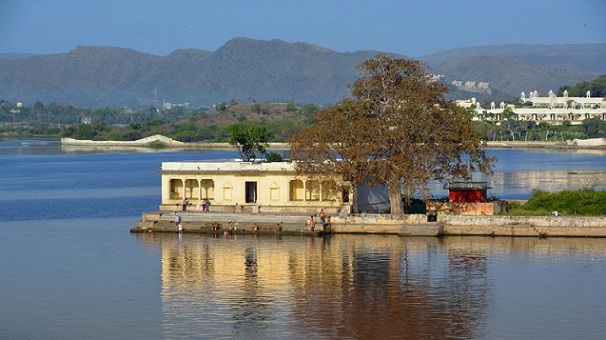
69, 268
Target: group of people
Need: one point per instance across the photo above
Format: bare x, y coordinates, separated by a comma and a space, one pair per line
205, 205
312, 220
230, 230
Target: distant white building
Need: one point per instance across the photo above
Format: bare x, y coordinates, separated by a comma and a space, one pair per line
169, 105
551, 109
472, 86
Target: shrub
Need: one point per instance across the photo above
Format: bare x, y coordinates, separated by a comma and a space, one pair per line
586, 202
273, 157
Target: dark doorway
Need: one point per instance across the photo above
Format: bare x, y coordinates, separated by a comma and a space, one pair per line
251, 192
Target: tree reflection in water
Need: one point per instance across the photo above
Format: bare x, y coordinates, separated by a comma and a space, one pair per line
343, 286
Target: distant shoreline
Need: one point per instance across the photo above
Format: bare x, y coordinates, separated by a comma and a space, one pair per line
159, 141
596, 143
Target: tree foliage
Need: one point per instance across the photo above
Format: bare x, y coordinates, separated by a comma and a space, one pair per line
586, 202
249, 139
597, 87
397, 130
594, 128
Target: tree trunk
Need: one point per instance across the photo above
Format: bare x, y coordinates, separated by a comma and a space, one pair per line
395, 198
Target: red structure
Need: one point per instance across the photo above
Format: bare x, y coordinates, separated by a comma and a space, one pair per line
467, 192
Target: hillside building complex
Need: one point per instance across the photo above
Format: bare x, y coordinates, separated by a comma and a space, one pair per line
551, 109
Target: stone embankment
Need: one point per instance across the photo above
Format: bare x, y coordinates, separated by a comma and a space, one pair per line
406, 225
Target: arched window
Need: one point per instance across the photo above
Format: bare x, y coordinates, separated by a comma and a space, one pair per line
312, 190
296, 190
192, 189
207, 189
329, 191
176, 188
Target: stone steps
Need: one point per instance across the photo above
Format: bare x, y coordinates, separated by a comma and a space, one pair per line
202, 222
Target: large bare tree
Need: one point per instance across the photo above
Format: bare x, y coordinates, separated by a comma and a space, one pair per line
396, 130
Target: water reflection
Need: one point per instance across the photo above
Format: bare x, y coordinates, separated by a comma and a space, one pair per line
344, 286
519, 185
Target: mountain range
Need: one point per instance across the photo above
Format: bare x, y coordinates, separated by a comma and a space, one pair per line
276, 71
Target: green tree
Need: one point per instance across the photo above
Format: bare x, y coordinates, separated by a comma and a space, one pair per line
256, 107
594, 128
221, 107
84, 131
249, 139
290, 106
508, 114
398, 130
38, 107
309, 110
273, 157
597, 87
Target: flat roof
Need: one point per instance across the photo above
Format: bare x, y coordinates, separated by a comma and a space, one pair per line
467, 186
235, 166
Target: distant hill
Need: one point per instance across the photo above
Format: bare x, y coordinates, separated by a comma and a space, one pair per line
512, 69
272, 71
585, 58
16, 56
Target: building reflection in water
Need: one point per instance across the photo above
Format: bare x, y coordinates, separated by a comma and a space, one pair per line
346, 286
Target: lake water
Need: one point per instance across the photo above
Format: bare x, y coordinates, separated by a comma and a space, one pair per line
70, 269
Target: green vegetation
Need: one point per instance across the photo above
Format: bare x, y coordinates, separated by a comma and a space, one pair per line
203, 124
273, 157
250, 139
597, 87
517, 130
584, 202
180, 123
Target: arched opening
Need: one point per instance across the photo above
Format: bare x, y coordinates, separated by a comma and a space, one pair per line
192, 189
297, 190
329, 191
312, 190
207, 189
176, 188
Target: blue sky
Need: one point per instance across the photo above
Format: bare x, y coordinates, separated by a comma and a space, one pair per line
413, 28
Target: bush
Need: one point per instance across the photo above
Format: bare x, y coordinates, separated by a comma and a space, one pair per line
585, 202
186, 136
273, 157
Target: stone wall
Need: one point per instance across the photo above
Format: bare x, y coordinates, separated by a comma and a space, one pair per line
487, 208
537, 221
